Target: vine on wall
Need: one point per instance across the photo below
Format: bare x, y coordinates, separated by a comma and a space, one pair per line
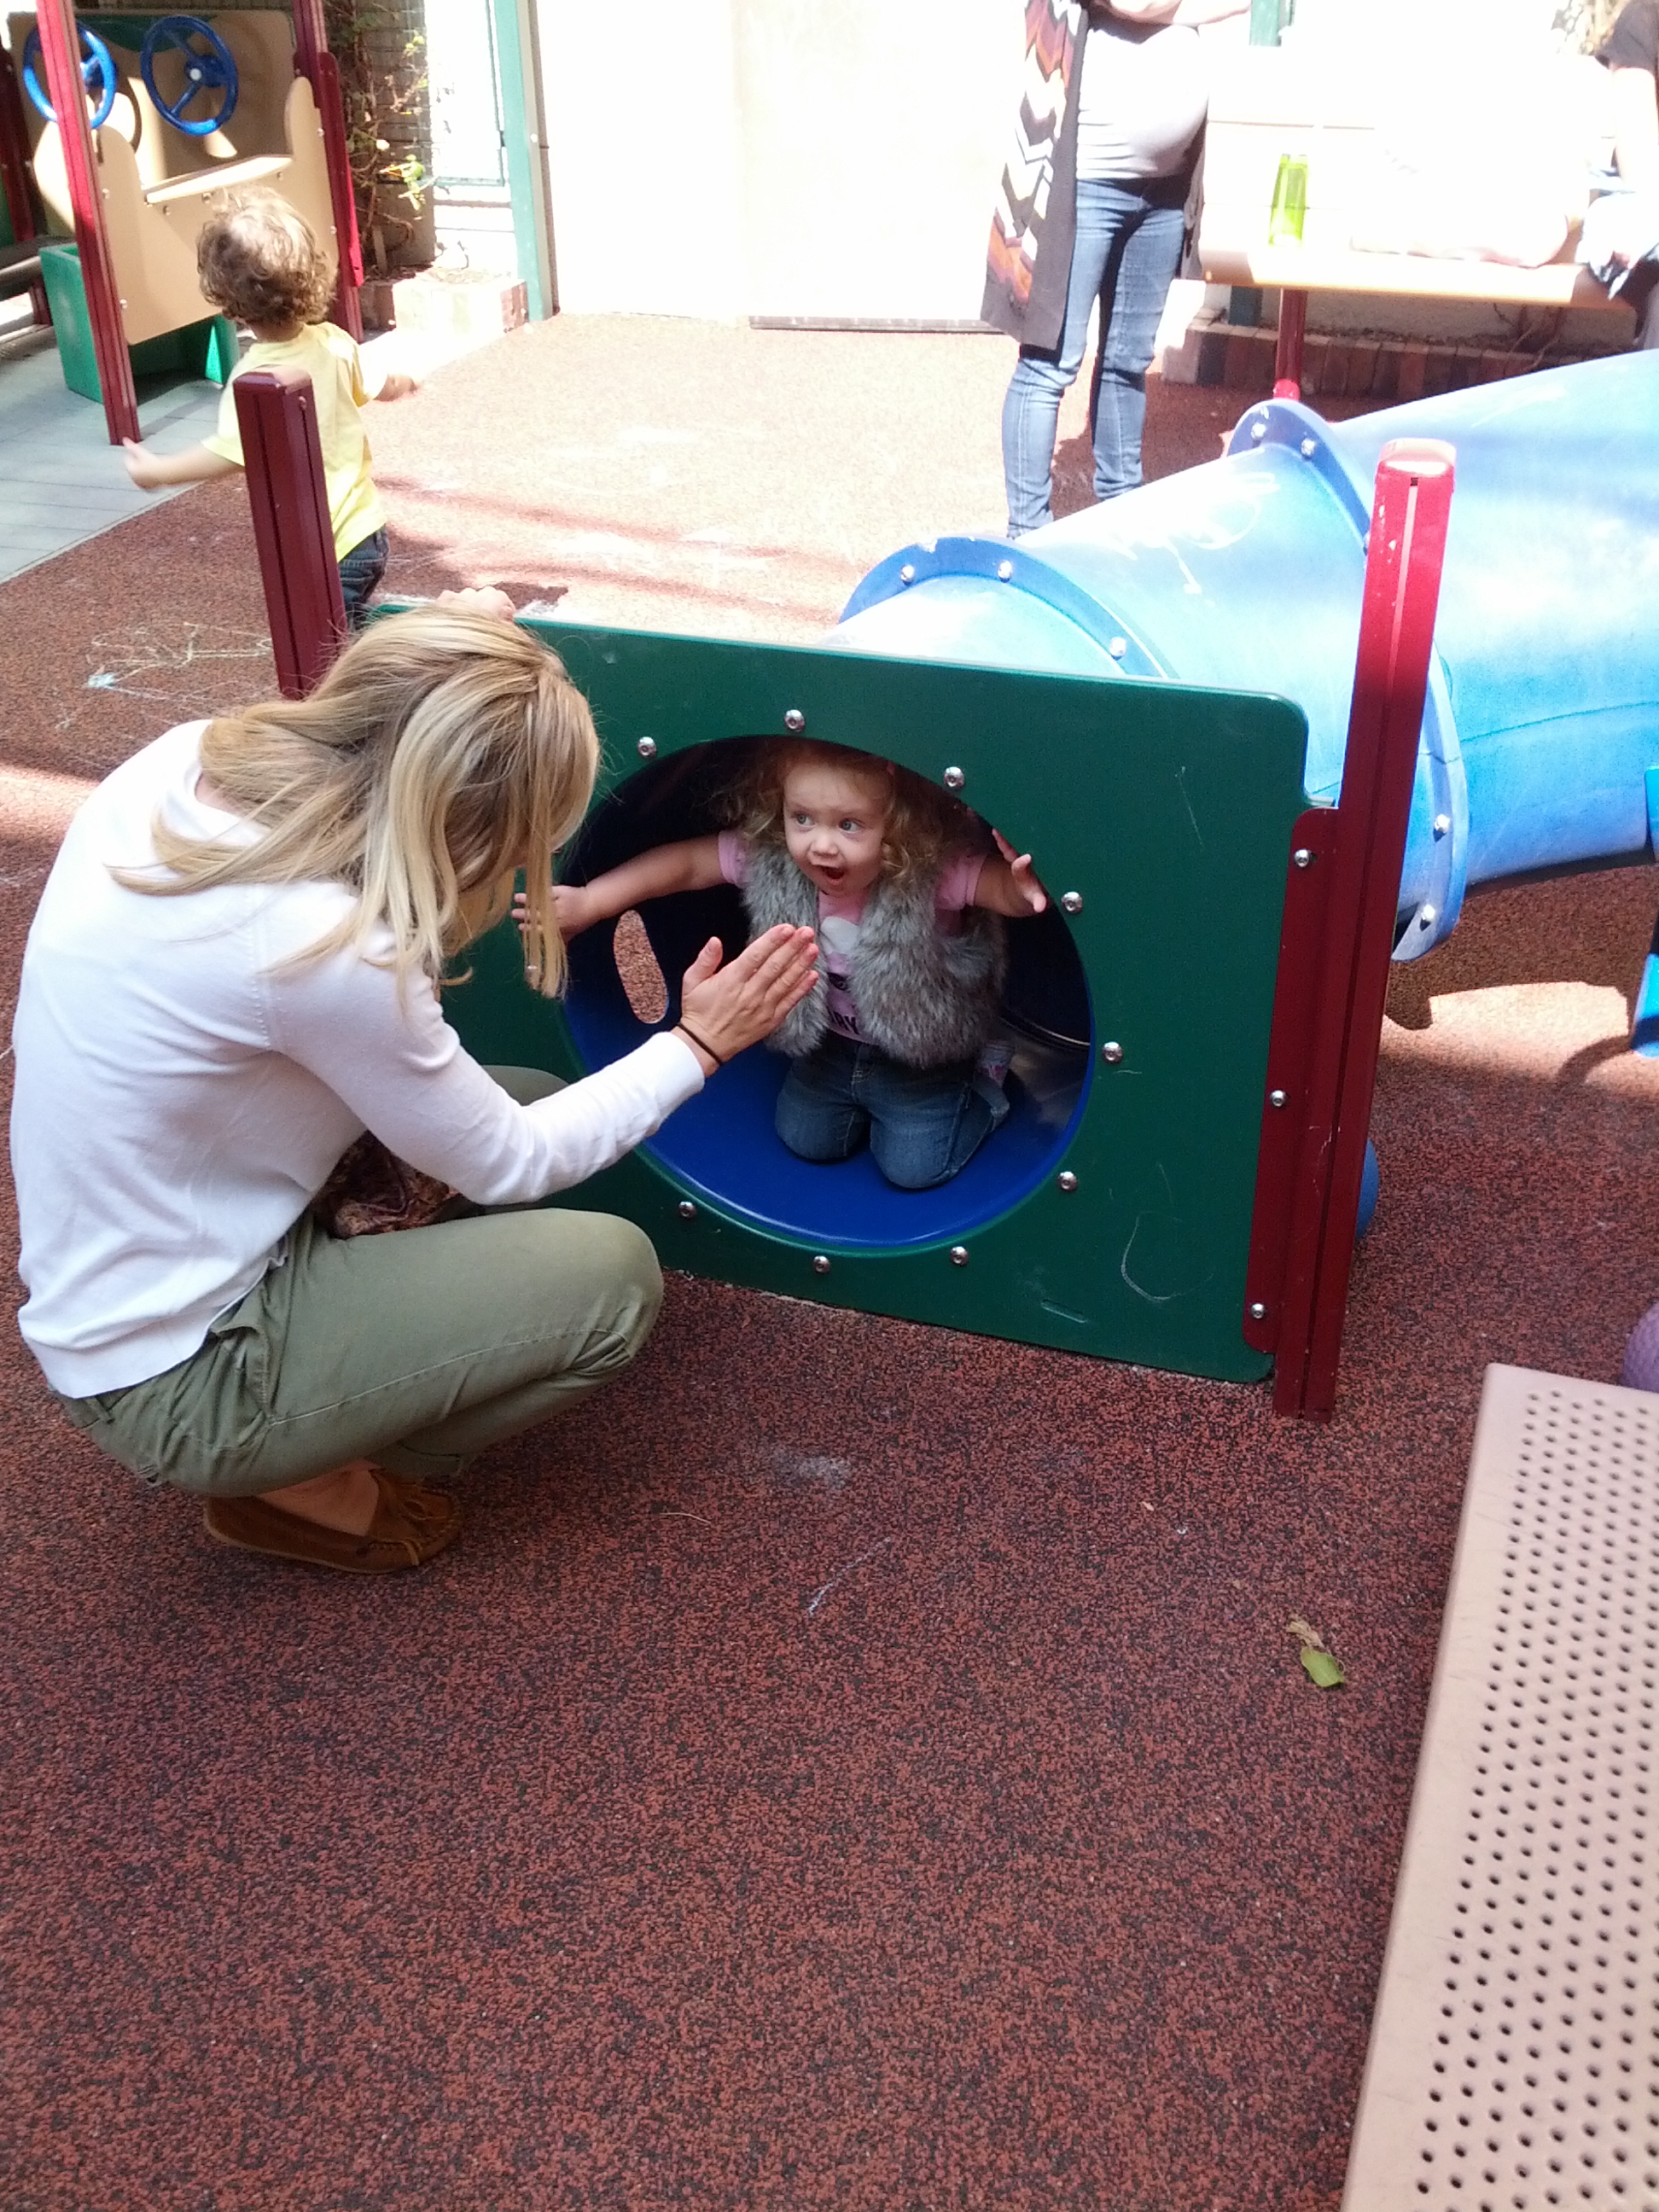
381, 46
1581, 25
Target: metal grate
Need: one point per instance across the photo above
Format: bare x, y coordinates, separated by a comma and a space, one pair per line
1514, 2063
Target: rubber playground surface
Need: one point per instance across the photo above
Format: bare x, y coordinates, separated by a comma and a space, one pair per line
844, 1764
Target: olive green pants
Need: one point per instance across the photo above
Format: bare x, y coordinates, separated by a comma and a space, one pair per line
415, 1350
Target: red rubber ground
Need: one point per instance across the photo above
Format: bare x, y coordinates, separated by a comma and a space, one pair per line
844, 1764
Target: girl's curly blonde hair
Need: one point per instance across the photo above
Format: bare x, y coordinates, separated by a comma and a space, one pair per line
923, 826
257, 259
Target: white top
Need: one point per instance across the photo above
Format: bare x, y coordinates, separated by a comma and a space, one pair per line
1143, 95
182, 1095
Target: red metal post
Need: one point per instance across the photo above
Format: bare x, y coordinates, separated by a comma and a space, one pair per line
14, 153
16, 179
314, 61
1322, 1055
1287, 353
60, 45
289, 496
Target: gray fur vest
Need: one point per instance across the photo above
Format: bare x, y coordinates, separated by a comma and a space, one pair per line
923, 997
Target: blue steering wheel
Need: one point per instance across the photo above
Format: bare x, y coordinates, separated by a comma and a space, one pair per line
97, 74
209, 68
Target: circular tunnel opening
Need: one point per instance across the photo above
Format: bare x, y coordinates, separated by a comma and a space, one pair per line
722, 1146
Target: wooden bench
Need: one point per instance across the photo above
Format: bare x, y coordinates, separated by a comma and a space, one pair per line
1338, 117
1513, 2059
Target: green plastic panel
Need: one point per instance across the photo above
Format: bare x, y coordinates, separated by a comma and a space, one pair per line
206, 348
1169, 812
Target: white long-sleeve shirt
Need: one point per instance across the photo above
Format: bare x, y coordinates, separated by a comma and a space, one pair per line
184, 1087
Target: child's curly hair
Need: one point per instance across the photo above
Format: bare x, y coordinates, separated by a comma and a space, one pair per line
924, 826
259, 260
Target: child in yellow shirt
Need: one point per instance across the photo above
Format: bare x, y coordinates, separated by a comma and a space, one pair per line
257, 259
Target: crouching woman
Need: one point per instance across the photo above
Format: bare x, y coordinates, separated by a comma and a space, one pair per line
232, 974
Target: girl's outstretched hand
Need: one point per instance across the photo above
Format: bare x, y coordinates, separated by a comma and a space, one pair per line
1023, 875
570, 909
734, 1007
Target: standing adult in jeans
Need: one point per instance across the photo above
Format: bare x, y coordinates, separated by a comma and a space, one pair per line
1627, 224
1093, 207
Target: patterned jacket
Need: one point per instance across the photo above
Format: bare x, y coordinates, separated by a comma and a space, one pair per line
1030, 262
924, 998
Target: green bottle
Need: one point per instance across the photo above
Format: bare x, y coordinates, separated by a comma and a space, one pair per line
1289, 201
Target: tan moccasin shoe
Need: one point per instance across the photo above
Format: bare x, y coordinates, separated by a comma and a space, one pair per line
411, 1525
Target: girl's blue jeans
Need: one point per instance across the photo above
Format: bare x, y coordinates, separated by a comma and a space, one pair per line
924, 1124
1126, 254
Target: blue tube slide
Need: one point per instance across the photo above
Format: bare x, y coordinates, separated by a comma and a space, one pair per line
1540, 733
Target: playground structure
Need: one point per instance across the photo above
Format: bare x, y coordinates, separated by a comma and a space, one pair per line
1538, 747
1198, 1026
181, 107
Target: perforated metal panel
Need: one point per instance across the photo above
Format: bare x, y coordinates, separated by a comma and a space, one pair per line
1514, 2063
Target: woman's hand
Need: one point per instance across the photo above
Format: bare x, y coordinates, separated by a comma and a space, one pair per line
735, 1006
480, 600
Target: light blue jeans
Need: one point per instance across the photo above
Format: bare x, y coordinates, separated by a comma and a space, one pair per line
1127, 252
923, 1124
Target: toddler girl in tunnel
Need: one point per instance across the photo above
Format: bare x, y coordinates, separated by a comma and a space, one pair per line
898, 1043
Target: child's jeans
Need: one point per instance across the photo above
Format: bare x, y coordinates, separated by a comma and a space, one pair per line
924, 1124
360, 571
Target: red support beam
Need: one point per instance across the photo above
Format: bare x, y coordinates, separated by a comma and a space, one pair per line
288, 494
16, 177
312, 60
1287, 352
1342, 896
60, 46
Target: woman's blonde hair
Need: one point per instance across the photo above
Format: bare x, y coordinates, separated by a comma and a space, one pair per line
444, 748
923, 826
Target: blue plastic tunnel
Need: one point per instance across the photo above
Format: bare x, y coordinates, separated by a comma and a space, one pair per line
1538, 734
